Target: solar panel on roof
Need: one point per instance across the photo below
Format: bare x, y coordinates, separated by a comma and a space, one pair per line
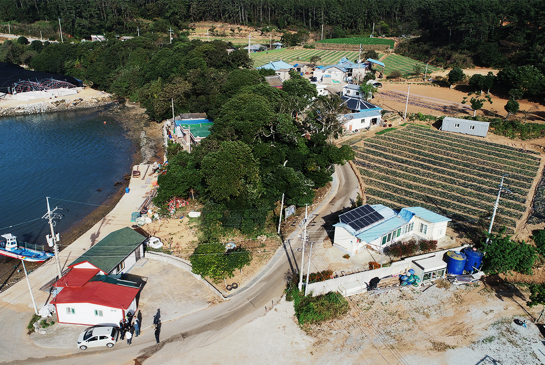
361, 217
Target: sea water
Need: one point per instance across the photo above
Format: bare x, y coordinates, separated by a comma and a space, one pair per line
75, 158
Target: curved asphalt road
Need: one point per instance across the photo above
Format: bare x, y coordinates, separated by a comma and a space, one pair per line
209, 325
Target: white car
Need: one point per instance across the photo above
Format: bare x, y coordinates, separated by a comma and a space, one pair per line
98, 336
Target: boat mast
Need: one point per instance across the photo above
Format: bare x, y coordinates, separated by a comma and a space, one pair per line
54, 238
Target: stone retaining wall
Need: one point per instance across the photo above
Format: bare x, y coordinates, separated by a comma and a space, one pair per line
56, 105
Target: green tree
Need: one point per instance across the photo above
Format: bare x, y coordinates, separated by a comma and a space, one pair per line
417, 69
315, 59
23, 41
512, 107
236, 259
455, 75
368, 90
502, 255
208, 259
478, 81
476, 102
300, 92
230, 172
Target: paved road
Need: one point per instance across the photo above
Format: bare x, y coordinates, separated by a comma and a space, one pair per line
209, 325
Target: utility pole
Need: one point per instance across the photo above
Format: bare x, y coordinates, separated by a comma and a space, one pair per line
29, 288
496, 206
173, 111
138, 30
41, 38
373, 31
308, 269
407, 103
207, 36
170, 34
54, 238
60, 30
303, 255
426, 72
281, 205
270, 40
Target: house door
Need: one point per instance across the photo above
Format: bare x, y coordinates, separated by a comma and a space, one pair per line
138, 253
350, 127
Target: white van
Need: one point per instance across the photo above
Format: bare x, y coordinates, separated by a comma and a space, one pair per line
98, 336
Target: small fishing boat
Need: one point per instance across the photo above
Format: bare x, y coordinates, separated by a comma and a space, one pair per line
10, 248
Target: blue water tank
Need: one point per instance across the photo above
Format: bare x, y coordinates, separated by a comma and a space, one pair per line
474, 259
456, 262
127, 190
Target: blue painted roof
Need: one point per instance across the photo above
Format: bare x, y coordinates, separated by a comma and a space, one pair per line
376, 62
381, 229
343, 69
358, 104
405, 214
363, 114
276, 65
427, 215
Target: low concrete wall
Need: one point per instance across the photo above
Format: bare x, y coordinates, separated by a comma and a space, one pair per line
56, 105
182, 264
398, 267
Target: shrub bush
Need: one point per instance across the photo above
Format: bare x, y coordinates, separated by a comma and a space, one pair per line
400, 249
320, 276
427, 245
310, 310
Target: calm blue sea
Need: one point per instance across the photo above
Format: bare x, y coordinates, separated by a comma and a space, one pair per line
66, 156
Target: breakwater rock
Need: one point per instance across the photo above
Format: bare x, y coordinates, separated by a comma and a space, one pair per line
57, 105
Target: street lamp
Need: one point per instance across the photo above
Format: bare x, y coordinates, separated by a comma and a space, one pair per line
281, 205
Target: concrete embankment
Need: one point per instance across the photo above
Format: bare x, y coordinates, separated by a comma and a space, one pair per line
83, 100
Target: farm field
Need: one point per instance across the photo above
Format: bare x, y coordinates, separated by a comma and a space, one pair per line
455, 176
360, 40
301, 55
404, 65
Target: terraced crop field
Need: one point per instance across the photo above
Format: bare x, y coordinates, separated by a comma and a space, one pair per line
301, 55
456, 176
360, 40
404, 65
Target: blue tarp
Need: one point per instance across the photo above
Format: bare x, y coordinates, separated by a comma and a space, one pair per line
376, 62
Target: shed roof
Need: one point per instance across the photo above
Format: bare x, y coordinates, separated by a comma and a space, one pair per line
275, 65
427, 215
100, 293
352, 87
112, 249
465, 126
274, 81
362, 114
76, 277
431, 263
376, 62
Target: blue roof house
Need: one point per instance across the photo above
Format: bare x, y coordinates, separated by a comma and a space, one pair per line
378, 226
363, 114
281, 68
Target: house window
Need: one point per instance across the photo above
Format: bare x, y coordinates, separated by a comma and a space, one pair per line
384, 240
457, 126
70, 310
98, 313
410, 227
398, 232
121, 266
471, 127
357, 93
389, 237
423, 228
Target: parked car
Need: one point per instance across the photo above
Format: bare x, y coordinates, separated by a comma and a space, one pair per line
98, 336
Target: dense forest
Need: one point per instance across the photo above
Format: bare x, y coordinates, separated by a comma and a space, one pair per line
493, 33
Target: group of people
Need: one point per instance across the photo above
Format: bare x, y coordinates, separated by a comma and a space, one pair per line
130, 325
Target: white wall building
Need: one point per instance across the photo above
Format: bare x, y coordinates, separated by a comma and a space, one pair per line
378, 226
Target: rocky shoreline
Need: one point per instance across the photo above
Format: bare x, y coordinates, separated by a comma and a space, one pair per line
57, 105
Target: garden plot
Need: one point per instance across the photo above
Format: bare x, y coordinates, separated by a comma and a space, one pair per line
301, 55
404, 65
455, 176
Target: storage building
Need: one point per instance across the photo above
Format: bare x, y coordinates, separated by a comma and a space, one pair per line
465, 126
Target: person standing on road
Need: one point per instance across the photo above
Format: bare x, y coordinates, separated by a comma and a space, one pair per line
157, 331
137, 327
122, 329
129, 337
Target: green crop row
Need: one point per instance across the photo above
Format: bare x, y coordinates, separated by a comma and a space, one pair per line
467, 168
456, 202
475, 147
490, 145
360, 40
490, 199
454, 173
475, 184
412, 147
401, 202
432, 144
